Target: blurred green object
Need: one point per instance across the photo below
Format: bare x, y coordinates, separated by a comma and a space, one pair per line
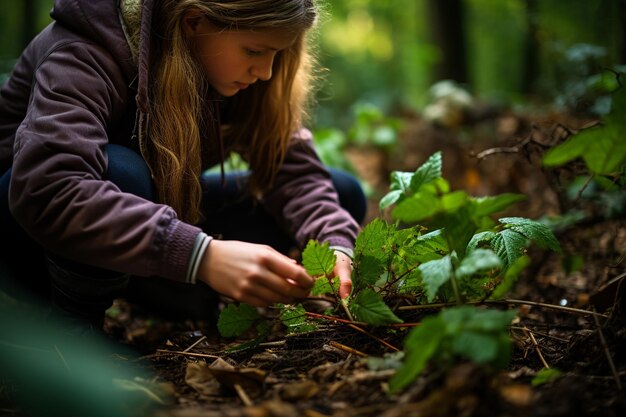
55, 373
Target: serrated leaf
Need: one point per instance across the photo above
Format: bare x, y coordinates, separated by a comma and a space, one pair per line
429, 171
479, 260
478, 347
323, 287
435, 274
371, 253
509, 245
369, 307
318, 259
480, 238
539, 233
235, 320
295, 319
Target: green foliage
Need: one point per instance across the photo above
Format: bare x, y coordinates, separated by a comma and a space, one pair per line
235, 320
545, 376
369, 306
294, 318
319, 261
463, 332
602, 147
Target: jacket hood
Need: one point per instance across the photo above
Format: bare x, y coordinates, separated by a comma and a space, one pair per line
101, 22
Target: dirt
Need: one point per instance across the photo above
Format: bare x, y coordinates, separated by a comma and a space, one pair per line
571, 314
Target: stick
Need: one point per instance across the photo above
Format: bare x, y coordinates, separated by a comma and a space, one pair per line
241, 392
337, 319
507, 301
390, 346
608, 354
532, 337
179, 352
195, 344
346, 348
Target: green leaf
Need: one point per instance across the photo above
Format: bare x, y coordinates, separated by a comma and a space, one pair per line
435, 274
235, 320
509, 245
478, 347
493, 204
539, 233
510, 277
369, 307
322, 286
295, 319
420, 346
545, 376
427, 172
479, 260
417, 207
390, 198
318, 259
371, 253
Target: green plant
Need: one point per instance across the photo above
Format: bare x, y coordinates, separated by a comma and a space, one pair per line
455, 253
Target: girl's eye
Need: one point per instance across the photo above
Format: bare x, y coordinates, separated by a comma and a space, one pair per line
253, 52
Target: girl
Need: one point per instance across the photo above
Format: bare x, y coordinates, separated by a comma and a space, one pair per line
109, 120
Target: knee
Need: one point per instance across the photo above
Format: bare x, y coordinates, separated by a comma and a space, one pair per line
351, 195
127, 169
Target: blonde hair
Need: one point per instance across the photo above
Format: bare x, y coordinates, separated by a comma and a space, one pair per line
265, 116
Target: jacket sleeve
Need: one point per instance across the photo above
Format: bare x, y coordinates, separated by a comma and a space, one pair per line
57, 191
304, 201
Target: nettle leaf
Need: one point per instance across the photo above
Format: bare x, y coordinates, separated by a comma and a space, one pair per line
477, 261
420, 346
510, 277
318, 259
390, 198
295, 319
368, 306
427, 172
539, 233
480, 238
509, 245
235, 320
417, 207
323, 286
486, 206
601, 147
435, 274
371, 252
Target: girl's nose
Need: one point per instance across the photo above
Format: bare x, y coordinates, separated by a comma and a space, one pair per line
263, 70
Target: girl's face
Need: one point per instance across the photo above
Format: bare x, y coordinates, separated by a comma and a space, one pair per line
233, 59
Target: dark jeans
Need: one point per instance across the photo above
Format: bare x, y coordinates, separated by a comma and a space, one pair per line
82, 289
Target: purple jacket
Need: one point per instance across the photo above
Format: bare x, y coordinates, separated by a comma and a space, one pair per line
75, 89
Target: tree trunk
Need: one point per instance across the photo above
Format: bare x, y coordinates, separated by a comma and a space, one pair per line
531, 48
447, 19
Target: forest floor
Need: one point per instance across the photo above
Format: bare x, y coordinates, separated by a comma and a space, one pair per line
571, 314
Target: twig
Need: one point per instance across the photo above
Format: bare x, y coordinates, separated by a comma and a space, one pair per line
346, 348
196, 343
241, 392
337, 319
390, 346
532, 338
180, 352
560, 339
504, 149
507, 301
608, 354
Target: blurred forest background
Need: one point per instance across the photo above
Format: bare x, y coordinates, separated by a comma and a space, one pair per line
389, 54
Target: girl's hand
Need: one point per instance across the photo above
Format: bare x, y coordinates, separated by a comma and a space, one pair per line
343, 270
253, 274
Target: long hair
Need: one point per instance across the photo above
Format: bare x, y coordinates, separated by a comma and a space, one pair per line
182, 113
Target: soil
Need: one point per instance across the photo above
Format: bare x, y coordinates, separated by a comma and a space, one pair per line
570, 308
